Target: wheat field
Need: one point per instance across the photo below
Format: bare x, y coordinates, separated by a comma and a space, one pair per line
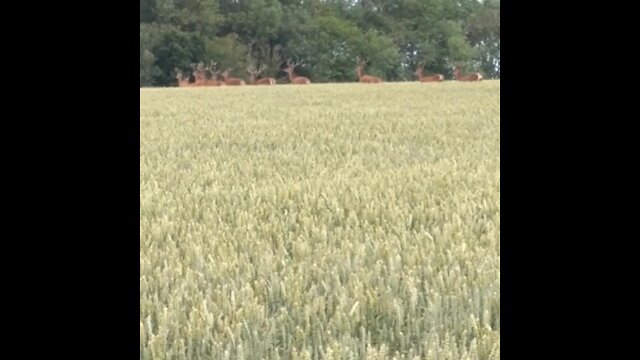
328, 221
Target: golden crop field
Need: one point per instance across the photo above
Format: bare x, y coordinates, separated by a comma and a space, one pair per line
327, 221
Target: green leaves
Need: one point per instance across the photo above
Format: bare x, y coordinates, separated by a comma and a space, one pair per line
325, 35
228, 52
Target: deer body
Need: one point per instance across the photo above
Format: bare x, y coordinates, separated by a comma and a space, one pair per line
265, 81
200, 74
214, 76
362, 77
208, 82
299, 80
253, 74
231, 80
182, 82
366, 79
213, 82
201, 78
429, 78
295, 80
469, 77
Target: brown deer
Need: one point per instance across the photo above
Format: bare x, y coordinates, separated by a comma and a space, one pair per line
214, 76
469, 77
362, 77
231, 80
200, 74
253, 75
295, 80
182, 81
428, 78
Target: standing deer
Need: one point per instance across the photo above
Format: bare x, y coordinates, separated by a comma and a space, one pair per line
182, 81
295, 80
469, 77
253, 75
362, 77
231, 80
428, 78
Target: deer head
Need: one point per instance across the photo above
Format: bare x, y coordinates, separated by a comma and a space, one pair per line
182, 80
290, 65
231, 80
362, 77
211, 69
360, 63
300, 80
199, 72
457, 71
253, 75
253, 71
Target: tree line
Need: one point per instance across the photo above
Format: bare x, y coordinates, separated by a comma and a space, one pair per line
326, 36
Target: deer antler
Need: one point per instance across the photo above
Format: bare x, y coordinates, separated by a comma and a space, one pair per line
294, 64
209, 68
251, 69
361, 61
200, 68
211, 65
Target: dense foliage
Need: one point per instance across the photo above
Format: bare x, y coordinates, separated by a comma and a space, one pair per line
326, 35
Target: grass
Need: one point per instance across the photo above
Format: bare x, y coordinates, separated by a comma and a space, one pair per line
330, 221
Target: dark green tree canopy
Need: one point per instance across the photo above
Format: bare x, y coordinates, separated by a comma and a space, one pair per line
326, 35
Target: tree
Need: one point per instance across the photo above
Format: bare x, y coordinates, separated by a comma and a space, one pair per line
163, 48
483, 31
327, 35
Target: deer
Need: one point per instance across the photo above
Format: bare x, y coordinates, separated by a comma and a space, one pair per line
362, 77
253, 74
295, 80
214, 76
200, 74
469, 77
428, 78
230, 80
182, 81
